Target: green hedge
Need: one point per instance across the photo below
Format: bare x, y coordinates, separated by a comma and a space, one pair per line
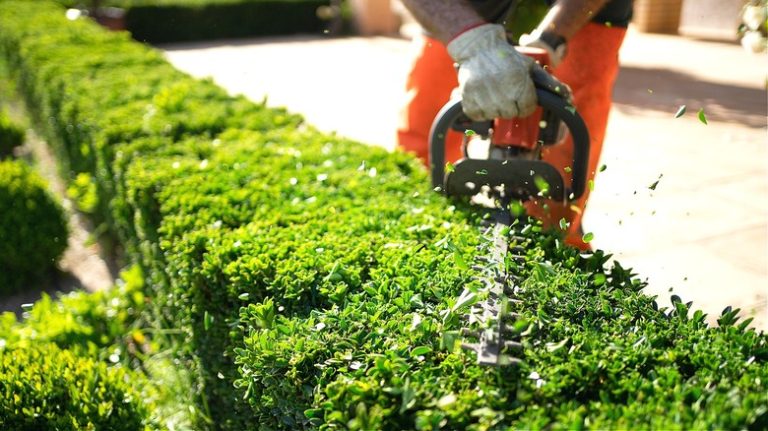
67, 364
45, 388
177, 22
101, 350
319, 283
33, 227
162, 21
11, 135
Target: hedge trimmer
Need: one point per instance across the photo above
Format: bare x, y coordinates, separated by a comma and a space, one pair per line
509, 170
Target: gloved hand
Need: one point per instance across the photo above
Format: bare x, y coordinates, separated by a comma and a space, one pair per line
494, 79
556, 55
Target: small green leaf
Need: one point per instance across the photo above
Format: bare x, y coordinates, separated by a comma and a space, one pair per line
449, 167
702, 116
460, 262
467, 298
655, 183
446, 400
469, 133
555, 347
603, 168
207, 321
563, 224
568, 170
599, 279
243, 296
680, 112
591, 185
517, 208
589, 236
420, 351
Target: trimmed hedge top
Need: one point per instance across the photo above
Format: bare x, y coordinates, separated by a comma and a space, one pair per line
319, 283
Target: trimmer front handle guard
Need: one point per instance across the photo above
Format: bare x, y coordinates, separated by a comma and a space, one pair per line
521, 178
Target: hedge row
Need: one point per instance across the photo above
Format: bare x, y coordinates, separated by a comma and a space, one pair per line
162, 21
319, 283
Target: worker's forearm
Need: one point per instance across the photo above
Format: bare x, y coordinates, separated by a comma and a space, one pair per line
566, 17
445, 19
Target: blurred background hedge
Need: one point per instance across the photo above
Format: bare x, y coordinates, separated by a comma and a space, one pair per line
11, 135
33, 228
163, 21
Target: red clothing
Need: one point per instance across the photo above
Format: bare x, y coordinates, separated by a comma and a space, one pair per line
590, 69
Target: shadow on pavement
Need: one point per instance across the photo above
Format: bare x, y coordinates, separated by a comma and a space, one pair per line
665, 90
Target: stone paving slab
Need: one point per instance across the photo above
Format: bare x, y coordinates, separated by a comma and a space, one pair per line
703, 232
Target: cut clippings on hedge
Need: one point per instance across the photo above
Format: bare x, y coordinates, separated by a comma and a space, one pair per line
307, 293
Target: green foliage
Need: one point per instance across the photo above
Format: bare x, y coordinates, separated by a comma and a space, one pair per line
205, 20
75, 363
163, 21
103, 328
43, 387
82, 190
313, 282
11, 135
33, 228
104, 325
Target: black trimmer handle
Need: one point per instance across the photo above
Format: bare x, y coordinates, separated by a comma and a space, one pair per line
549, 98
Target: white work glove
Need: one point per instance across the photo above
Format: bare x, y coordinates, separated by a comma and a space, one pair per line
494, 79
533, 40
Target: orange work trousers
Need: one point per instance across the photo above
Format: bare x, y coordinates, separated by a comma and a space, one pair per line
590, 69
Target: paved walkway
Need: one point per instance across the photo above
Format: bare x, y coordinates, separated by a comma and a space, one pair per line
703, 232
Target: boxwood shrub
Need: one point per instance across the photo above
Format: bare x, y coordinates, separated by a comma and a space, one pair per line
318, 283
163, 21
45, 388
91, 330
186, 20
33, 227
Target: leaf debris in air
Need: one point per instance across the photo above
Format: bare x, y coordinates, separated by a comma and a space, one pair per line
680, 112
702, 116
655, 183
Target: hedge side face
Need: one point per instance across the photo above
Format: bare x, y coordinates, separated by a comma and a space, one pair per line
319, 283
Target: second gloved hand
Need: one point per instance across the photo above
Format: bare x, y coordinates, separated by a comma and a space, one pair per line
494, 79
